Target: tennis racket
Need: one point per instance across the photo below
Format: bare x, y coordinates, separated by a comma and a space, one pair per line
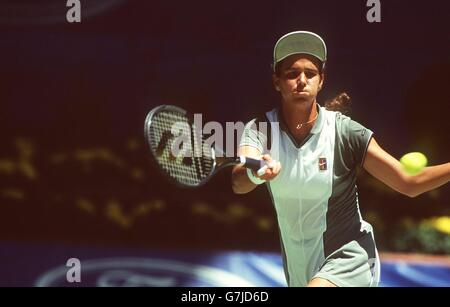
180, 150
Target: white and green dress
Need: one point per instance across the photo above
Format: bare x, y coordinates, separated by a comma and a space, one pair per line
316, 200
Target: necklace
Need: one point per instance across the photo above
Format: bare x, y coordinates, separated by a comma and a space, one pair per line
299, 126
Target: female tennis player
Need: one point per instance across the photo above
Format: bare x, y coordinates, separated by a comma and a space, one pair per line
313, 153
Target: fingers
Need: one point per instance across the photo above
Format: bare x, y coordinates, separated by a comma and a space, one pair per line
266, 158
270, 170
277, 168
273, 168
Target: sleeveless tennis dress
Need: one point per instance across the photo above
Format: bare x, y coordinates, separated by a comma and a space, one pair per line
316, 200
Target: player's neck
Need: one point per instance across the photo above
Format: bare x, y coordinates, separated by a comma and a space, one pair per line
301, 115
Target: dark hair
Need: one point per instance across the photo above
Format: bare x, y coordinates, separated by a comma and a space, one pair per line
317, 62
340, 103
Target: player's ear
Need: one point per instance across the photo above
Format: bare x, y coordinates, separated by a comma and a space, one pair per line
276, 82
322, 79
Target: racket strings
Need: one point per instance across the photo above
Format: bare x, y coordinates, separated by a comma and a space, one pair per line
189, 161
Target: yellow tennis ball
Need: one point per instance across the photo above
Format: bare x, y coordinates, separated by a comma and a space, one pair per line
413, 162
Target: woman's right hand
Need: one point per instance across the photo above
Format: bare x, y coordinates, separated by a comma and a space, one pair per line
272, 170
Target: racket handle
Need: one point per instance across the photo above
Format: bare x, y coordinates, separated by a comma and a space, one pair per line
262, 170
253, 164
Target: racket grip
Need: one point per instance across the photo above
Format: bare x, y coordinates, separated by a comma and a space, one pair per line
253, 164
262, 170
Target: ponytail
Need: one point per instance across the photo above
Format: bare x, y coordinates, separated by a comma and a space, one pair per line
340, 103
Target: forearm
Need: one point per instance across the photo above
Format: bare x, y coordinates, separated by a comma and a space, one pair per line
240, 182
430, 178
390, 171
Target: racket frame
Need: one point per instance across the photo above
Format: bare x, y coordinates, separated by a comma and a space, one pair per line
216, 167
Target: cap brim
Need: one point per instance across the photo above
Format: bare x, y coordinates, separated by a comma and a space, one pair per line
300, 42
